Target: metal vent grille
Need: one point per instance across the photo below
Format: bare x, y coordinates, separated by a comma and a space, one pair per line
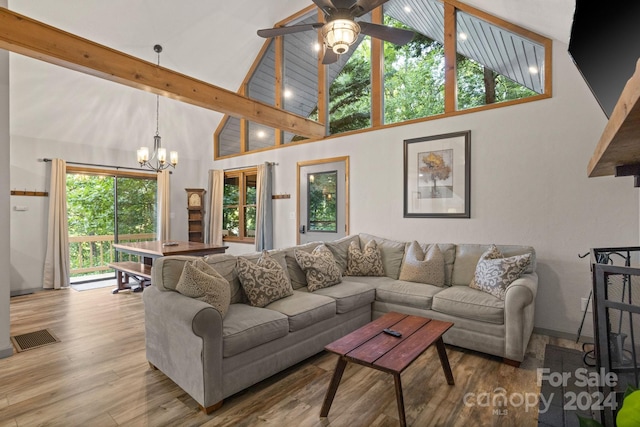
33, 340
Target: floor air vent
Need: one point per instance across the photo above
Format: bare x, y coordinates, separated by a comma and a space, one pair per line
33, 340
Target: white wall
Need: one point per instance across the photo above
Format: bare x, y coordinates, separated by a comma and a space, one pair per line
528, 186
5, 343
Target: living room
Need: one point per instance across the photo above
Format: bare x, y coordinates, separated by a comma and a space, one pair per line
529, 184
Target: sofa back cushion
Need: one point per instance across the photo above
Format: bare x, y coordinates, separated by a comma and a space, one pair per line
340, 250
448, 251
468, 255
392, 253
297, 277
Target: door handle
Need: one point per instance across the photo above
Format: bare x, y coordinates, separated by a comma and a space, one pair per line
302, 229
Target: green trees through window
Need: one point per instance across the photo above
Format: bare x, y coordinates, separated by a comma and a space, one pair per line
322, 201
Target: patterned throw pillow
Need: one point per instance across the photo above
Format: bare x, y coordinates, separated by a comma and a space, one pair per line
263, 282
494, 272
423, 267
367, 262
320, 268
200, 281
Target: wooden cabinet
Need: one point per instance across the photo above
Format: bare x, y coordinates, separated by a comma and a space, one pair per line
195, 213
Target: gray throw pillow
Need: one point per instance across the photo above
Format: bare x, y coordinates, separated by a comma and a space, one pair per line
494, 273
263, 282
200, 281
367, 262
320, 268
422, 267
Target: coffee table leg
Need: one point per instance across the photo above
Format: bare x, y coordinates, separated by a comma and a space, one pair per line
400, 399
444, 360
333, 387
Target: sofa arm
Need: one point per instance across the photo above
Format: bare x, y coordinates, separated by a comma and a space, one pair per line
184, 340
519, 308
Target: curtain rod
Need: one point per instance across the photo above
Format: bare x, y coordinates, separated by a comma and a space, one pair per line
250, 166
102, 166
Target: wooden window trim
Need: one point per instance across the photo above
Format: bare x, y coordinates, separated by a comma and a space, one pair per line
84, 170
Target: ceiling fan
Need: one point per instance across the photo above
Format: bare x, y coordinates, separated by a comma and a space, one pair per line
341, 30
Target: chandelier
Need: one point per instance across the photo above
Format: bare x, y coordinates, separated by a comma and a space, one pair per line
158, 160
339, 34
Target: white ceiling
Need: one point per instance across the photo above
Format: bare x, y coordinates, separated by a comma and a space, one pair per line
213, 40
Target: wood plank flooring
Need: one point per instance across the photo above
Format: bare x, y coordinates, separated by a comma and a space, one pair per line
98, 376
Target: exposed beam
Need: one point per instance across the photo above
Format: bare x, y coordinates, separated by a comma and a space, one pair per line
26, 36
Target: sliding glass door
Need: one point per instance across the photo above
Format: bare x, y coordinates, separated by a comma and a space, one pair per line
105, 208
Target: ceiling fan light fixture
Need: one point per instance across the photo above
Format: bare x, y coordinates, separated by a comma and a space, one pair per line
339, 34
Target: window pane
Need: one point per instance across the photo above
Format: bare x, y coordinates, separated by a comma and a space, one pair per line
413, 77
349, 81
322, 201
260, 136
414, 73
262, 85
231, 191
250, 221
229, 138
250, 189
495, 65
136, 206
230, 222
300, 91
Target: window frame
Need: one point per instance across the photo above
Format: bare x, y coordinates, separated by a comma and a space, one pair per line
451, 7
242, 205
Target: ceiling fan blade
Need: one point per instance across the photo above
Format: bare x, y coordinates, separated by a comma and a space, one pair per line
329, 57
397, 36
280, 31
326, 6
344, 4
365, 6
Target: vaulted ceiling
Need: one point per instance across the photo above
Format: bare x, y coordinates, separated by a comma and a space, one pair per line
214, 41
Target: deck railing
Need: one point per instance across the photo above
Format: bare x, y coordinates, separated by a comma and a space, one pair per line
91, 254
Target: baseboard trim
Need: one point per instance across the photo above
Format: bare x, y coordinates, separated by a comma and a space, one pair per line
560, 334
6, 352
20, 292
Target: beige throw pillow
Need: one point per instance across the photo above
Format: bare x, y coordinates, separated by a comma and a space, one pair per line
201, 281
422, 267
367, 262
263, 282
320, 268
494, 273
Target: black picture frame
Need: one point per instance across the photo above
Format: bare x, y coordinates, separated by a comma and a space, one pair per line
437, 176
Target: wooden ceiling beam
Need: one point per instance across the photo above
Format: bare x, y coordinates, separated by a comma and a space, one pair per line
26, 36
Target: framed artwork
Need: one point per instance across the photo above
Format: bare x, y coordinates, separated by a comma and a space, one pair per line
437, 176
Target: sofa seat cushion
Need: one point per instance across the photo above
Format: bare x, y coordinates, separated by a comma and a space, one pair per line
469, 303
349, 295
411, 294
304, 309
246, 327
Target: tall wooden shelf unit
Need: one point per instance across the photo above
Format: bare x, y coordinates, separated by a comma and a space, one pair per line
195, 208
618, 151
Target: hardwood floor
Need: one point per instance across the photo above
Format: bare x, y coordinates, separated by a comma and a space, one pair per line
98, 376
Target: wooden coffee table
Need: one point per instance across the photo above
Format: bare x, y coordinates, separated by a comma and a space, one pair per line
370, 346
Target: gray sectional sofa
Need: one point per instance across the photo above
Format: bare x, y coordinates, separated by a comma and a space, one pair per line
212, 357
